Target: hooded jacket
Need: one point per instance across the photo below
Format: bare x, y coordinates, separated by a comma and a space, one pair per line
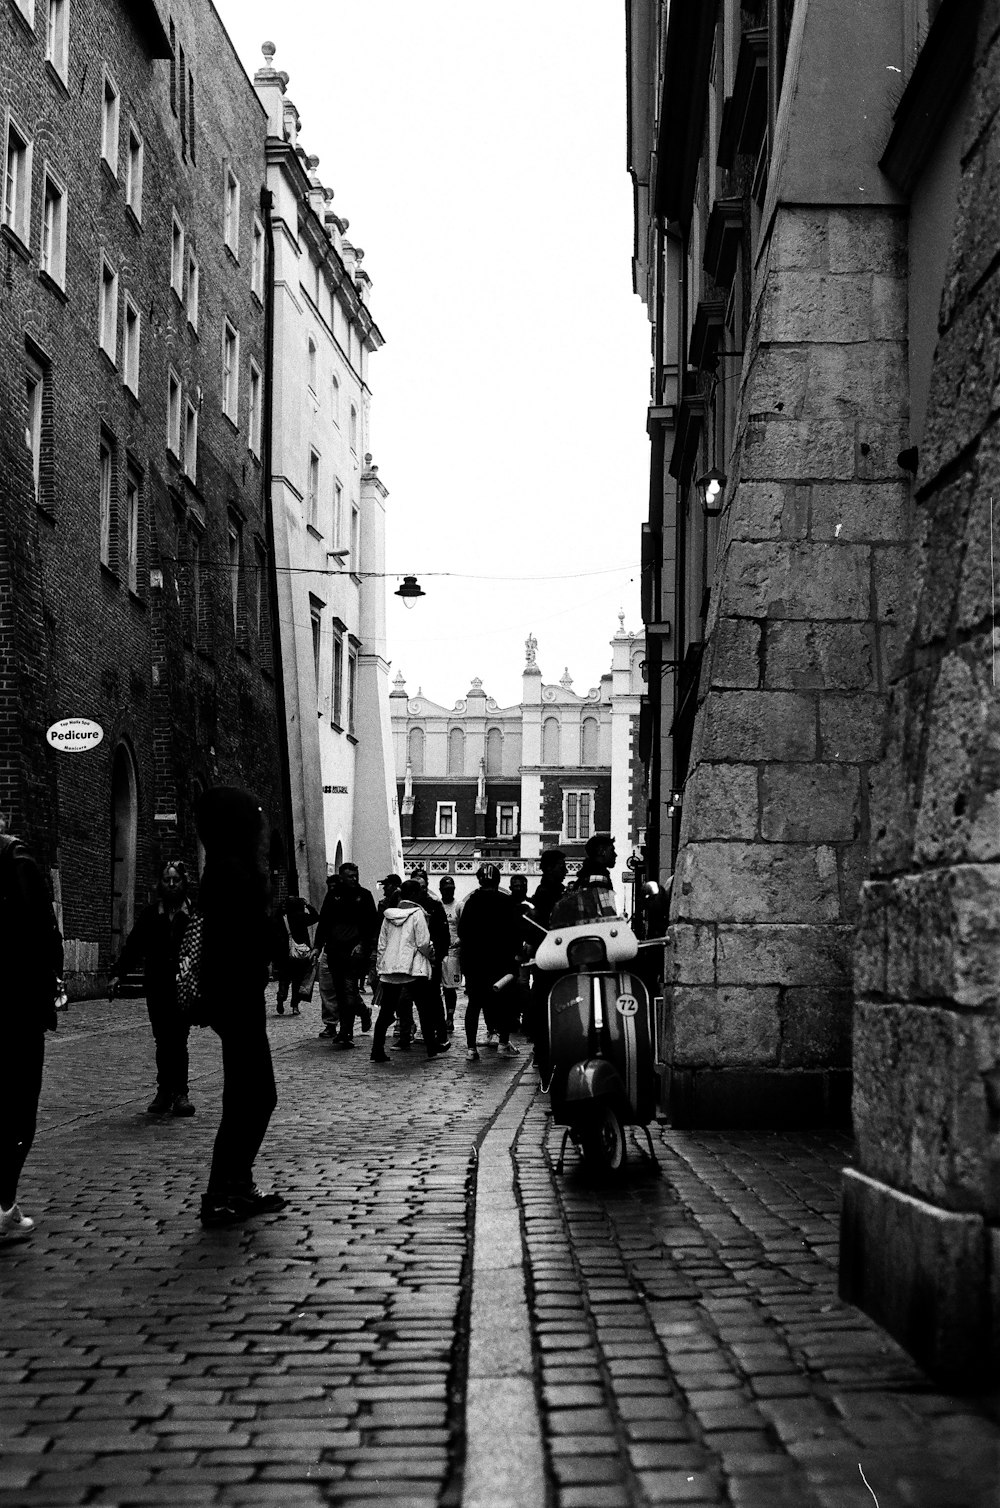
404, 935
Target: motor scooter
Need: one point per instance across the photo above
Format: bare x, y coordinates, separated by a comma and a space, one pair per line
602, 1033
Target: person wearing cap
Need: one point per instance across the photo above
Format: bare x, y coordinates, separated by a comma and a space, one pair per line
489, 933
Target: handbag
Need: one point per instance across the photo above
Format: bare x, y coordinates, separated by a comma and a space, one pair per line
297, 951
304, 988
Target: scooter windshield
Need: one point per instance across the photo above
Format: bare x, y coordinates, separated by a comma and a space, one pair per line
588, 904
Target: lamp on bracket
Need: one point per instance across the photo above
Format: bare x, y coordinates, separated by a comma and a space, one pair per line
711, 488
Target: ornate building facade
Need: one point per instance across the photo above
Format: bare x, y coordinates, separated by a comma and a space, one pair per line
479, 781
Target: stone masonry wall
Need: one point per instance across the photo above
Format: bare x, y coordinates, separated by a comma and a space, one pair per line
806, 620
921, 1225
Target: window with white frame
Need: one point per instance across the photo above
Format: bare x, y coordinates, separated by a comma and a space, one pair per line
177, 256
17, 182
355, 540
174, 413
235, 561
352, 689
133, 508
507, 813
255, 417
354, 429
316, 625
578, 815
257, 260
230, 371
191, 440
106, 528
109, 123
231, 229
34, 385
337, 678
54, 228
193, 289
130, 347
27, 9
109, 310
312, 490
311, 362
133, 171
335, 399
57, 36
445, 823
338, 515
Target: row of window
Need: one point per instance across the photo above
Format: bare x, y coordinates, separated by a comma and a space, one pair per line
341, 717
446, 820
312, 361
590, 732
314, 519
577, 824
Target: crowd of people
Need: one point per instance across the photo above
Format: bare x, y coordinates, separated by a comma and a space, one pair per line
413, 950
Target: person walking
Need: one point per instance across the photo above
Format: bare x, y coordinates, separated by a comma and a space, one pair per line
404, 960
551, 886
451, 966
32, 978
293, 948
232, 900
437, 921
154, 942
489, 932
346, 936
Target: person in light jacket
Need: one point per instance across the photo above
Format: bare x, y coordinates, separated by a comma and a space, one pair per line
404, 959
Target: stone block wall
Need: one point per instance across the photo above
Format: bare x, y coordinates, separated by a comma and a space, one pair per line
808, 613
921, 1224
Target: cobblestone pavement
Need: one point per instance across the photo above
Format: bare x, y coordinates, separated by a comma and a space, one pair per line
689, 1346
693, 1349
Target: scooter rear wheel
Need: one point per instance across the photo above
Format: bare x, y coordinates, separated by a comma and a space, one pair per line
603, 1142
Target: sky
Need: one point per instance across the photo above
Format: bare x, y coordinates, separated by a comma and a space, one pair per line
479, 153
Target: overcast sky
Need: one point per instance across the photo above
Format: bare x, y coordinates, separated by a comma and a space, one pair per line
479, 153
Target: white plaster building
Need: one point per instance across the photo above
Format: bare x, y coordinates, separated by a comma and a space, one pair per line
329, 516
479, 781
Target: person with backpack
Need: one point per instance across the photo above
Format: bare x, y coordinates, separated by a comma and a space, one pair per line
33, 965
155, 941
233, 970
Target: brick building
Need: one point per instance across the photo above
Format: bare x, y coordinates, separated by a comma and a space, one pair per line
479, 781
134, 587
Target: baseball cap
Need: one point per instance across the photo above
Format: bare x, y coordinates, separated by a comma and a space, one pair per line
490, 873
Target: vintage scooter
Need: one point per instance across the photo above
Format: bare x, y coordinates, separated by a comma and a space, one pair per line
602, 1035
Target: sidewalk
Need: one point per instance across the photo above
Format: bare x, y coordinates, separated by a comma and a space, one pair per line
437, 1319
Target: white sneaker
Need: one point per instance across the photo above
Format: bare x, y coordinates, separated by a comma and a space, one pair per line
13, 1223
492, 1039
471, 1055
508, 1050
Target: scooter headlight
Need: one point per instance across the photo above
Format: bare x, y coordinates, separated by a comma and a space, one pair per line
586, 953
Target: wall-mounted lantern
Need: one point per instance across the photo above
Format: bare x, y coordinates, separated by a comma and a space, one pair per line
711, 487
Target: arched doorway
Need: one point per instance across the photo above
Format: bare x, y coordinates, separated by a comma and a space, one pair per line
124, 828
338, 858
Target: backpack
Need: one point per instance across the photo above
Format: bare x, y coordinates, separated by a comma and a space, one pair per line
190, 999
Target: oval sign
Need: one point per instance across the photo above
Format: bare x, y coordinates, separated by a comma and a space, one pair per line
75, 735
627, 1005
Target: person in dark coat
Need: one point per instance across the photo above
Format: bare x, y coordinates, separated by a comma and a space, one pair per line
550, 888
347, 933
154, 941
489, 934
437, 921
32, 970
294, 919
234, 965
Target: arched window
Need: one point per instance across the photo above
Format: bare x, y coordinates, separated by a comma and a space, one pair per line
335, 399
415, 750
456, 752
550, 741
354, 429
494, 751
338, 857
589, 740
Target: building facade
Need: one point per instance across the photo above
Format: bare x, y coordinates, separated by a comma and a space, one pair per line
134, 582
329, 520
478, 781
820, 192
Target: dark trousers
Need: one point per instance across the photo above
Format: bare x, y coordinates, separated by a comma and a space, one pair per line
248, 1098
495, 1007
422, 995
170, 1033
345, 973
24, 1059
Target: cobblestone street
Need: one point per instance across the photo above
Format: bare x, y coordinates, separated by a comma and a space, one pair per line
683, 1338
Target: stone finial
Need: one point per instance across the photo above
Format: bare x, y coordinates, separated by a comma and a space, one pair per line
566, 680
312, 162
368, 457
399, 683
530, 648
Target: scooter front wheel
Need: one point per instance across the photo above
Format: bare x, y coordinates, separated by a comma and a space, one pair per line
602, 1142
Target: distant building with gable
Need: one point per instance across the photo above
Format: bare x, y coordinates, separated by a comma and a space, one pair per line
479, 781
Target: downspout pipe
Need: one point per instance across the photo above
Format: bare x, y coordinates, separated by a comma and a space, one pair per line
266, 203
